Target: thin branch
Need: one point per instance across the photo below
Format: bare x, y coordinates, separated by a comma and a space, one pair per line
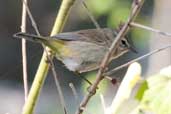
24, 50
61, 96
96, 24
90, 15
134, 60
33, 22
105, 61
44, 65
150, 29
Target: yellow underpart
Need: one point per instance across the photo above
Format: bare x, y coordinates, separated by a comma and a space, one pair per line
55, 45
65, 51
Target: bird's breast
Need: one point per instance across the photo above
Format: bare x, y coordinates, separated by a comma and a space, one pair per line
81, 56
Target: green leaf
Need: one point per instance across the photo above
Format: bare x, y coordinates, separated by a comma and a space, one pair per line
143, 87
157, 99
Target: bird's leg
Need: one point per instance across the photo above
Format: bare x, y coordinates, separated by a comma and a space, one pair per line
82, 77
85, 79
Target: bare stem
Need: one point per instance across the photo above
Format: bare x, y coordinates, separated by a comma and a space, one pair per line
44, 65
150, 29
105, 61
24, 50
33, 22
61, 96
137, 59
90, 15
96, 24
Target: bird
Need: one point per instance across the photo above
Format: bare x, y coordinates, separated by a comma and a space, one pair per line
83, 50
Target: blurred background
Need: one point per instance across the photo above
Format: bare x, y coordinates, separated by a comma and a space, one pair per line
109, 13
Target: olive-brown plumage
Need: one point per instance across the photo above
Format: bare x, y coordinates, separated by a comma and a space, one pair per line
82, 50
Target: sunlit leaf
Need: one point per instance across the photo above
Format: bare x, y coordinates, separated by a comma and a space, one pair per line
143, 87
157, 98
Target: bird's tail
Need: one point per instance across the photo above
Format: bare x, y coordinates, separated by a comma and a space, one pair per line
52, 43
30, 37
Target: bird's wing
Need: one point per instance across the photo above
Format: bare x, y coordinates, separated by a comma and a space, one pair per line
68, 36
88, 35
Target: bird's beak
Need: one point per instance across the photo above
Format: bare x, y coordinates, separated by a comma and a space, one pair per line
132, 48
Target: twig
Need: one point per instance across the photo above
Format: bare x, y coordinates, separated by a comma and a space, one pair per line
33, 22
44, 66
90, 15
24, 50
105, 61
61, 96
59, 90
96, 24
134, 60
150, 29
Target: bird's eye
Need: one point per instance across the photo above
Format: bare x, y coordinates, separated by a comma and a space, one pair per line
124, 43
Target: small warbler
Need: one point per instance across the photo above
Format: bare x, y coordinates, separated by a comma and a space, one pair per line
81, 51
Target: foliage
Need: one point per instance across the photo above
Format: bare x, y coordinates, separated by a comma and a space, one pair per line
157, 99
153, 95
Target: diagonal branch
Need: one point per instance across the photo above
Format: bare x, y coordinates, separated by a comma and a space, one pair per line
133, 24
135, 9
137, 59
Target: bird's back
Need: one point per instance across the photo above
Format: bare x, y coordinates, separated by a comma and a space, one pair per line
101, 37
